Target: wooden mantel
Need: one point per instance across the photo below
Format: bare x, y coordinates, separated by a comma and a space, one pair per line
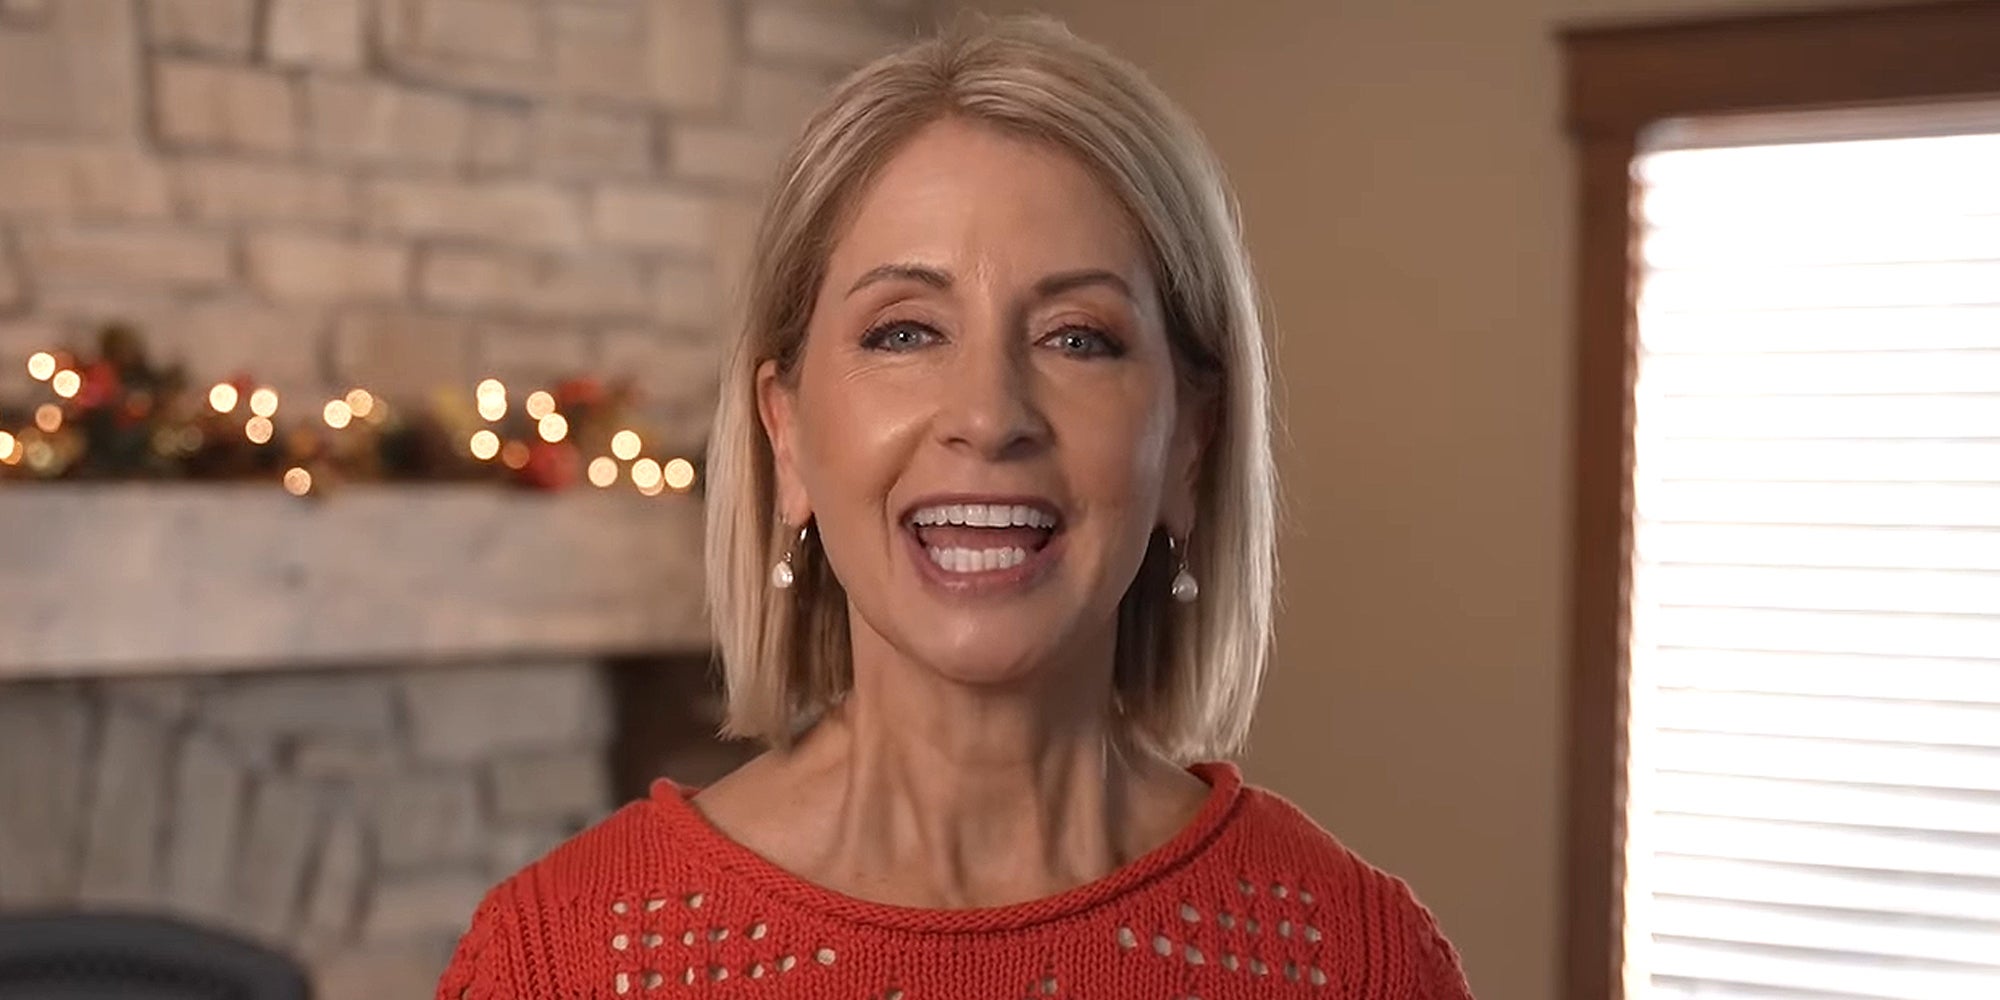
100, 580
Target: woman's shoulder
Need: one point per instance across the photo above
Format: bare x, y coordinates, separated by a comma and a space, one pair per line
1281, 859
1294, 855
602, 879
623, 848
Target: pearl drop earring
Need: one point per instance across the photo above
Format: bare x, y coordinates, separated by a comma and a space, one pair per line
782, 576
1185, 589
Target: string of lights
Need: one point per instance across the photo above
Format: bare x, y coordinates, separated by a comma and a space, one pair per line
117, 416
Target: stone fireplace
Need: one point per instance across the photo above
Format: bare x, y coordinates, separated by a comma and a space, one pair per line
330, 727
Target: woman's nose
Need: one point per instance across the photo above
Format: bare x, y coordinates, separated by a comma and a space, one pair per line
988, 403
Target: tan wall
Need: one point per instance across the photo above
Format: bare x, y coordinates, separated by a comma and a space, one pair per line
1403, 177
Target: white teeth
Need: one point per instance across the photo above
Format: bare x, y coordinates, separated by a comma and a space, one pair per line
980, 515
960, 560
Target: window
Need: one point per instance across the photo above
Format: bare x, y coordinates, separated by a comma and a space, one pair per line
1813, 786
1765, 558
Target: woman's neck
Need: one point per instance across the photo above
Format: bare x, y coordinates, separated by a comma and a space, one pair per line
979, 813
919, 791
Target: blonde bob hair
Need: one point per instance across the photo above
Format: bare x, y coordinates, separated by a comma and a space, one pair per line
1186, 676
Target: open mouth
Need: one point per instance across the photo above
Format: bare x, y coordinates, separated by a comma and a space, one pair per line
983, 537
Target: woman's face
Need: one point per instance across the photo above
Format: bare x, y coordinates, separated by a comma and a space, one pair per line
985, 423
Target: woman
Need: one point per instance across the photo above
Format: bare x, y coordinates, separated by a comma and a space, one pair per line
990, 553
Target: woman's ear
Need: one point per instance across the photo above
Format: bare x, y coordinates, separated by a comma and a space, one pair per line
1194, 434
777, 407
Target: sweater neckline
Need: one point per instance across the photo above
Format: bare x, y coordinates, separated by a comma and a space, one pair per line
691, 831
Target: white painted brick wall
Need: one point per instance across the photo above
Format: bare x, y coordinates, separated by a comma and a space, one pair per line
128, 256
13, 284
311, 268
85, 182
315, 33
366, 121
820, 35
220, 27
653, 217
214, 190
498, 139
531, 351
224, 106
523, 283
193, 164
521, 213
572, 141
401, 352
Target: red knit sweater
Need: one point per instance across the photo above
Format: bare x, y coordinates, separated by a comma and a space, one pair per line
1251, 900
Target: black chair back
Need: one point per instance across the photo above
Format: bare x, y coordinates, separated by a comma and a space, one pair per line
100, 956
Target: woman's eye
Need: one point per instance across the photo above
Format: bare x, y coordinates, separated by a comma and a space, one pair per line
1084, 342
899, 336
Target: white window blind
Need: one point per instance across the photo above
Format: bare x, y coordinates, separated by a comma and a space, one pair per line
1814, 729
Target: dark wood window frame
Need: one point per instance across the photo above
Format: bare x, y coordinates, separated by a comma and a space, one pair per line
1620, 79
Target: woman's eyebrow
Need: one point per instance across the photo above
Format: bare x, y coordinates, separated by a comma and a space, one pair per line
931, 276
1063, 281
1048, 287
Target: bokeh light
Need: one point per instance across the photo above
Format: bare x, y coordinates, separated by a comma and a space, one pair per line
646, 474
222, 398
360, 402
553, 428
258, 430
603, 471
338, 414
41, 365
539, 404
8, 446
492, 396
679, 474
298, 482
49, 418
625, 445
514, 455
485, 445
264, 402
66, 383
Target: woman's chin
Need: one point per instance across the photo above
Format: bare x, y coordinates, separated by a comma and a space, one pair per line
995, 661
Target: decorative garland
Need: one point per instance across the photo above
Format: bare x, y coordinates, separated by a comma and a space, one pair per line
115, 415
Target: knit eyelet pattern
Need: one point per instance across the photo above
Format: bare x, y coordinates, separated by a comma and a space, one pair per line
1250, 900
